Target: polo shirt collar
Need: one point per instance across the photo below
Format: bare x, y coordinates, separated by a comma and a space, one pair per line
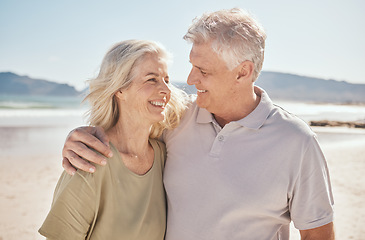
204, 116
254, 120
258, 116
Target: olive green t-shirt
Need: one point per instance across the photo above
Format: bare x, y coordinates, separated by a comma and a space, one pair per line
112, 203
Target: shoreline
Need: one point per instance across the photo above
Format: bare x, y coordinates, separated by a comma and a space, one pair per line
327, 123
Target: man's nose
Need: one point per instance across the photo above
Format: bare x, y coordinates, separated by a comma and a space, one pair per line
193, 78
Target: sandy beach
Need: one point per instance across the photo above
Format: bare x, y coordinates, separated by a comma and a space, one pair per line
30, 166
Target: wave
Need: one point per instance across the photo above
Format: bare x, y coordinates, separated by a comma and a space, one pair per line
39, 102
25, 105
41, 111
62, 109
5, 113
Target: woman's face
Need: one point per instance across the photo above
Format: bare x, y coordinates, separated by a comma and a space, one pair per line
148, 94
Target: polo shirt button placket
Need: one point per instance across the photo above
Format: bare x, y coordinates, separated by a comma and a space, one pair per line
217, 146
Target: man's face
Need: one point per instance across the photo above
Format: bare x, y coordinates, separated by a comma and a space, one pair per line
214, 82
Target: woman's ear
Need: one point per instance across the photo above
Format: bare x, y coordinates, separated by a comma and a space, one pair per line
119, 94
245, 70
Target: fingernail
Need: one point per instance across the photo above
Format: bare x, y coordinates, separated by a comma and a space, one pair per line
103, 162
72, 173
91, 170
110, 154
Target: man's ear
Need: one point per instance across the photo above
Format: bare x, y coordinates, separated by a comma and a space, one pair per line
245, 70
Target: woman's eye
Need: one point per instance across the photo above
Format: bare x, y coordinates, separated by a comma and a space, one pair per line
152, 80
203, 73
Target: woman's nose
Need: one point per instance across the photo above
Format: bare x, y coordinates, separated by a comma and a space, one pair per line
164, 88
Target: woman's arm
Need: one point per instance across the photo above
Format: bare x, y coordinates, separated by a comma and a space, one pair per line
73, 210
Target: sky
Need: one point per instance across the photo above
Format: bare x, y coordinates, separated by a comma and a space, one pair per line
65, 41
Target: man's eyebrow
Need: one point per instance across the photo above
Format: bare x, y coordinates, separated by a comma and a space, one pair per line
200, 68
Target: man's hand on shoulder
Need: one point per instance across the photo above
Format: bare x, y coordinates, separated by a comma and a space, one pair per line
76, 151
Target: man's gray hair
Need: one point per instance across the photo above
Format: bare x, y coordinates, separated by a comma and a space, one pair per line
235, 35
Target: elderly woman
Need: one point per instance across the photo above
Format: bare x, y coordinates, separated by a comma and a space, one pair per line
133, 101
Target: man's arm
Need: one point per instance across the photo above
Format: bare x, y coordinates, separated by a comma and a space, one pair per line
325, 232
76, 152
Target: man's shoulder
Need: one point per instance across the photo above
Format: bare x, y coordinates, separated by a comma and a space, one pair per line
191, 107
289, 122
188, 119
191, 101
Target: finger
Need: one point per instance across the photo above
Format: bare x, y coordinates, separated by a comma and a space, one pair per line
68, 167
80, 163
101, 135
83, 152
85, 135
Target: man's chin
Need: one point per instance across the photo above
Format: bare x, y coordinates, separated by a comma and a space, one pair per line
200, 103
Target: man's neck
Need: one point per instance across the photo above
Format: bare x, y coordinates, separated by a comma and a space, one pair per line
238, 111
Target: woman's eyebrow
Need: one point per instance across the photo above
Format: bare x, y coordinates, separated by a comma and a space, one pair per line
153, 74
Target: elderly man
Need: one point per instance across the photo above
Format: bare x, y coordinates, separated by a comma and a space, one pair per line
239, 167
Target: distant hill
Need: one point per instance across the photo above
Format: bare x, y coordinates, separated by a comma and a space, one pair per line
13, 84
280, 86
283, 86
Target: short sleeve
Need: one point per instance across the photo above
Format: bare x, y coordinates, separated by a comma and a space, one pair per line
160, 147
73, 208
312, 202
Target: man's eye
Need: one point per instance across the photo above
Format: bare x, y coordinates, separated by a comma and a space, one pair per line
152, 80
203, 73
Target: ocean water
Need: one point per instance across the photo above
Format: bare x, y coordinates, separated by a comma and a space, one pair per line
23, 111
39, 125
41, 111
38, 102
324, 111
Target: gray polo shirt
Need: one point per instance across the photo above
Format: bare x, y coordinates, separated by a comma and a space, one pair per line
247, 180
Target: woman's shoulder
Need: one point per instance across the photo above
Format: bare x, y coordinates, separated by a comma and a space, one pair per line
160, 150
100, 170
157, 145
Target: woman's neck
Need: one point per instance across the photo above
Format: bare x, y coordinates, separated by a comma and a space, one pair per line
130, 139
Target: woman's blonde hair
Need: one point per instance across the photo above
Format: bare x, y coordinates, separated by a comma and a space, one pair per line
116, 73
